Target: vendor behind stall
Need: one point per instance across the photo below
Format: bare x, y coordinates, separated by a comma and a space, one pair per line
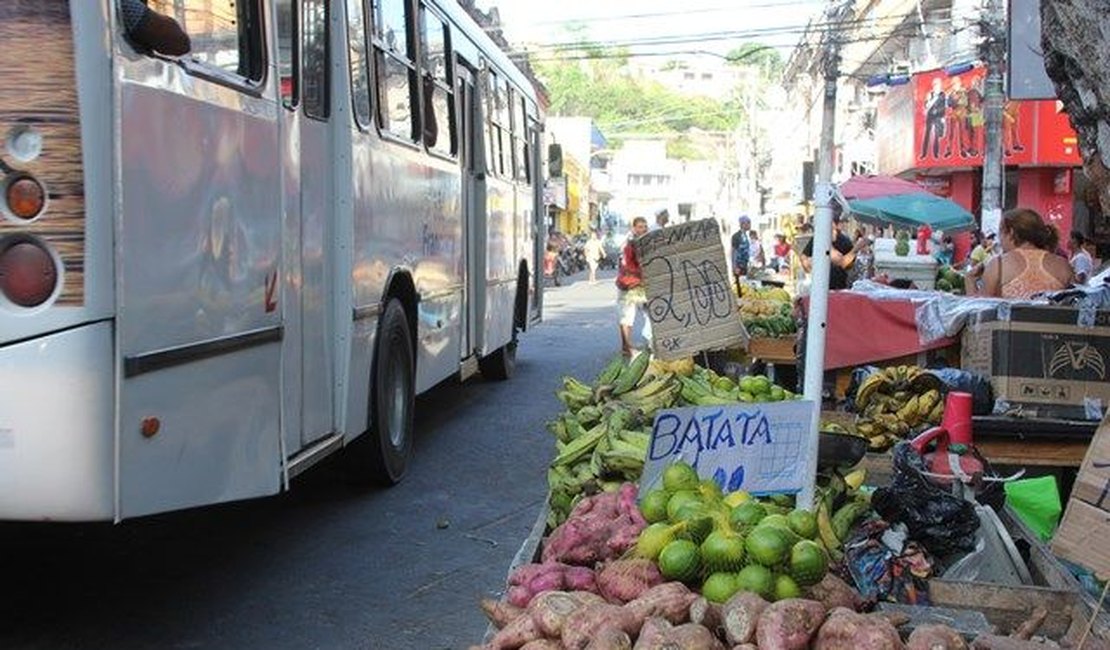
1027, 265
842, 254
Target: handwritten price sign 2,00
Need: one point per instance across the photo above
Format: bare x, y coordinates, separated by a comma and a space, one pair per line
690, 301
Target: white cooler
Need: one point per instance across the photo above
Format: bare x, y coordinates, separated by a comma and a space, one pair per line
919, 269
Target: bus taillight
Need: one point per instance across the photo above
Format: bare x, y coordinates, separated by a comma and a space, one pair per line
25, 197
28, 274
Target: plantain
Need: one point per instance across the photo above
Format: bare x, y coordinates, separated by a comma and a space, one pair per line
828, 536
910, 411
611, 371
925, 405
867, 389
937, 414
844, 518
630, 375
855, 478
649, 389
580, 447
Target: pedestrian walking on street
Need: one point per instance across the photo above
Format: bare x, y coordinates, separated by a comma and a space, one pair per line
594, 252
741, 251
631, 296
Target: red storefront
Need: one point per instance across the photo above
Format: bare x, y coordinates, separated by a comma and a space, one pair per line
931, 130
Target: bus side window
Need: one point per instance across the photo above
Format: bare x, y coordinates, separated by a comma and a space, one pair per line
314, 58
360, 72
225, 34
439, 99
493, 131
287, 21
396, 70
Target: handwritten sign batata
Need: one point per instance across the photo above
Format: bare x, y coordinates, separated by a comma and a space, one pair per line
760, 448
690, 301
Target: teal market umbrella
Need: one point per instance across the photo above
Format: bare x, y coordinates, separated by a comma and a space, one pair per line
913, 210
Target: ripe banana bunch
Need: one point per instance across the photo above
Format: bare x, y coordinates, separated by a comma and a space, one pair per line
886, 416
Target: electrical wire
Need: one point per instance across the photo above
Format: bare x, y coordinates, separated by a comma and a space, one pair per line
664, 14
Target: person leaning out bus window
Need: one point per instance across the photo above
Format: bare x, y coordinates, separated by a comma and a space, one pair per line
151, 30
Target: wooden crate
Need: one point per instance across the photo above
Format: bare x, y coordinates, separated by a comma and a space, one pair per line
779, 350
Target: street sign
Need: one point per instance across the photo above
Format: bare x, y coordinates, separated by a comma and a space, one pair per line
690, 301
759, 448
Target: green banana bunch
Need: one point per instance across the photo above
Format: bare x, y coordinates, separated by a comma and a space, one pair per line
631, 374
611, 371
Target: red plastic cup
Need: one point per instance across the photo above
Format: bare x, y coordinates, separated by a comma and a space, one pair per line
957, 418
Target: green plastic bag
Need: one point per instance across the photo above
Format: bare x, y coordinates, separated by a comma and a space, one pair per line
1036, 501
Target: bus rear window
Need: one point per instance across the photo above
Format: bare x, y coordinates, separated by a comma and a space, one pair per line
225, 34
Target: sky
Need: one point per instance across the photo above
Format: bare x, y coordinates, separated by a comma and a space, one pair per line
663, 27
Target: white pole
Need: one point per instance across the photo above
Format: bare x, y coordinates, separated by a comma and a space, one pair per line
819, 283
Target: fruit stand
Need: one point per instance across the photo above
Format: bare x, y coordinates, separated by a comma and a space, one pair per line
689, 562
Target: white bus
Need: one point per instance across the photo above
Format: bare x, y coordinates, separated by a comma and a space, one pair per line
217, 270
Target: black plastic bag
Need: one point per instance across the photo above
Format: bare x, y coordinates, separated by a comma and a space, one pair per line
954, 379
943, 523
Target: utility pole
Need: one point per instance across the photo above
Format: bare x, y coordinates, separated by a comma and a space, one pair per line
816, 323
994, 101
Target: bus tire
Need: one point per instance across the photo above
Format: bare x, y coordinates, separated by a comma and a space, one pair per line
382, 454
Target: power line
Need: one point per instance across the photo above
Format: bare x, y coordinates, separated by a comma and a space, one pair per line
664, 14
881, 22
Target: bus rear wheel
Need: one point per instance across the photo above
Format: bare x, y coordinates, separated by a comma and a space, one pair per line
382, 454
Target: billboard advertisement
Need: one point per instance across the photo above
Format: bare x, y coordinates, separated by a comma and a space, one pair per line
945, 117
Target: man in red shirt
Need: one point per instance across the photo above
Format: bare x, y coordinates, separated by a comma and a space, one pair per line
630, 286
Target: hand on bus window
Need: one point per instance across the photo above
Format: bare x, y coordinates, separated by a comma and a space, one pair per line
153, 31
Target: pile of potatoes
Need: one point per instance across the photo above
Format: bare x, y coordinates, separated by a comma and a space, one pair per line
669, 616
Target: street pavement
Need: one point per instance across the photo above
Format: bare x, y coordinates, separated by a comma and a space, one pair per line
328, 565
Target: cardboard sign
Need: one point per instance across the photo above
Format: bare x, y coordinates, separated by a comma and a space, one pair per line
690, 304
760, 448
1082, 535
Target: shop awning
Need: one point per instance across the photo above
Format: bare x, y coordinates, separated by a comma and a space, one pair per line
913, 210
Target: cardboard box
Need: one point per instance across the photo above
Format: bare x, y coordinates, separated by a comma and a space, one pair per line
1082, 535
1040, 360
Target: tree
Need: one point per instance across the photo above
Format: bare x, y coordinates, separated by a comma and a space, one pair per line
1077, 59
764, 57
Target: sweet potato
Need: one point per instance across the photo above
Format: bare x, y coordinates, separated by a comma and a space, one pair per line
935, 637
518, 632
580, 629
610, 638
708, 615
832, 592
500, 613
740, 615
580, 578
789, 624
551, 609
542, 644
601, 527
1030, 625
620, 581
531, 579
670, 600
689, 636
846, 630
651, 632
745, 646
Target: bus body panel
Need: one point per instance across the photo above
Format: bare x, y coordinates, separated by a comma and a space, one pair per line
57, 81
198, 270
407, 218
217, 438
57, 442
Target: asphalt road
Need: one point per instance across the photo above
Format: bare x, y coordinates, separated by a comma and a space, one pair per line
328, 565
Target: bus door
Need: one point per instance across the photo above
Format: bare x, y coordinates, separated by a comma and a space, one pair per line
308, 181
473, 162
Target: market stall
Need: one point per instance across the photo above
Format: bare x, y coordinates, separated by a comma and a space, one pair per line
677, 514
